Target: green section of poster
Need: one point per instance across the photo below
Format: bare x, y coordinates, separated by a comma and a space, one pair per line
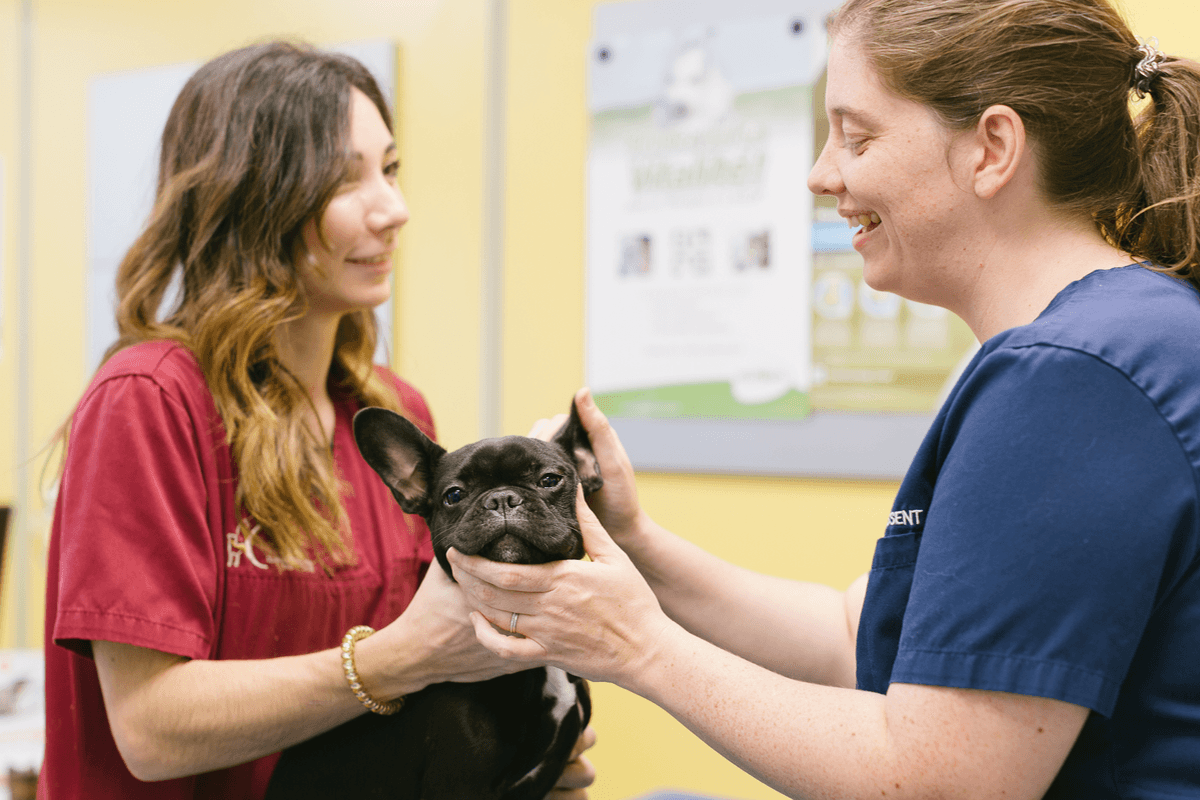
770, 105
700, 401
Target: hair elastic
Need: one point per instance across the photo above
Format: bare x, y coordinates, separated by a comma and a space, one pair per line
1148, 68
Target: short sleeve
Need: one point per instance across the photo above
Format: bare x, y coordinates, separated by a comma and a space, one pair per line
1049, 536
138, 562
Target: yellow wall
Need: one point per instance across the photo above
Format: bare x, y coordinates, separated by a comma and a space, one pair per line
9, 169
811, 529
9, 62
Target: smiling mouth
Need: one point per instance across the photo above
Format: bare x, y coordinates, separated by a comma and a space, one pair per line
383, 259
867, 222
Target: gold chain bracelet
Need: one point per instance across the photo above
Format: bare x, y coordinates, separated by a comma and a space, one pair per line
348, 641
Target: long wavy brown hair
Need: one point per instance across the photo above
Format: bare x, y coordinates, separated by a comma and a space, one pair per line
1068, 68
254, 147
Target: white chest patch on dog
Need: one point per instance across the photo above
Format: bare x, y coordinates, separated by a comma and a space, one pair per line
559, 689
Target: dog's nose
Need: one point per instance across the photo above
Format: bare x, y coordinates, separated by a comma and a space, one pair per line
499, 500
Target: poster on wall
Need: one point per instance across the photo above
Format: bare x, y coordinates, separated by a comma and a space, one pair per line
126, 114
728, 325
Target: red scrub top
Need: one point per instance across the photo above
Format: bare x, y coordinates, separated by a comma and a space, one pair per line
145, 550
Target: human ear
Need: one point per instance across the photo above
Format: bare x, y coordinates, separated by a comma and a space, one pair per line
1000, 140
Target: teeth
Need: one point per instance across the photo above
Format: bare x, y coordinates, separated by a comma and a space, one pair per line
875, 218
863, 219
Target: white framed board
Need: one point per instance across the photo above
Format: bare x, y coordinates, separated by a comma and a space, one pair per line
728, 325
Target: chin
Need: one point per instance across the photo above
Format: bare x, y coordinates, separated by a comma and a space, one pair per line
378, 299
880, 278
349, 305
369, 297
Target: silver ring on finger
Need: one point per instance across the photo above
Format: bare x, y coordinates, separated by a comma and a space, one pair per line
512, 623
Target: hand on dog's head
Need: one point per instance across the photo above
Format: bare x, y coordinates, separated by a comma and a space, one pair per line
508, 499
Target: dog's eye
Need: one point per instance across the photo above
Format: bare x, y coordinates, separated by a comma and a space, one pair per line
453, 495
550, 480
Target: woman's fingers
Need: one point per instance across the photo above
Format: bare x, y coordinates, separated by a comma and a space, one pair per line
512, 648
596, 541
597, 619
585, 742
579, 774
500, 585
495, 588
598, 428
616, 502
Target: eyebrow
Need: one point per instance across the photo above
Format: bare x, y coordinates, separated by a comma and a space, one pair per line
357, 156
861, 117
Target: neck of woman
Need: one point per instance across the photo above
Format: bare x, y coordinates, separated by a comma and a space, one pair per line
1024, 263
305, 347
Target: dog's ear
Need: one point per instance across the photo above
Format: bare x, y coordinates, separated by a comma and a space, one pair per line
573, 438
402, 455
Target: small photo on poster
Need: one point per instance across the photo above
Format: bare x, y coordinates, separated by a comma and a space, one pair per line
637, 255
752, 251
691, 252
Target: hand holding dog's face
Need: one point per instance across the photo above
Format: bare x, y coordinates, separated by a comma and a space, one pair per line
510, 499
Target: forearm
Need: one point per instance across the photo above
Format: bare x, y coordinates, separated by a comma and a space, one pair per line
173, 717
801, 739
822, 742
801, 630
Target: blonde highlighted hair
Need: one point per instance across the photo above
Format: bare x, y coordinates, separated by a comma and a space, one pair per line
254, 147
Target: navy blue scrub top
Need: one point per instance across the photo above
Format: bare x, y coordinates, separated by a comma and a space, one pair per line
1045, 540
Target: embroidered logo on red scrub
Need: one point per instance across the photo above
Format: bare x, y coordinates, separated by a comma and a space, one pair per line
236, 545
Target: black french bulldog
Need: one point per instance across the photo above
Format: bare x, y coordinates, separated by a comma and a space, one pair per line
510, 499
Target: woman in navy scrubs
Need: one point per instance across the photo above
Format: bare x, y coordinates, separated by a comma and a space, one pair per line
1031, 621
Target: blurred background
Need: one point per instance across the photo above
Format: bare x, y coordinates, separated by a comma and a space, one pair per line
488, 316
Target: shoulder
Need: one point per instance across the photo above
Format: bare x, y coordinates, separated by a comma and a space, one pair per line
157, 360
1131, 318
160, 367
1127, 333
1141, 323
412, 402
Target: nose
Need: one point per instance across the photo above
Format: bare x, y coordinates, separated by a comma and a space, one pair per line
389, 212
501, 500
824, 177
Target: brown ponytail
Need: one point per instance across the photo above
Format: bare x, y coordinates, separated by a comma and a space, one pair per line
1162, 224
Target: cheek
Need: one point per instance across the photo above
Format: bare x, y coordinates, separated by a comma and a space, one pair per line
444, 524
872, 182
340, 223
565, 502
